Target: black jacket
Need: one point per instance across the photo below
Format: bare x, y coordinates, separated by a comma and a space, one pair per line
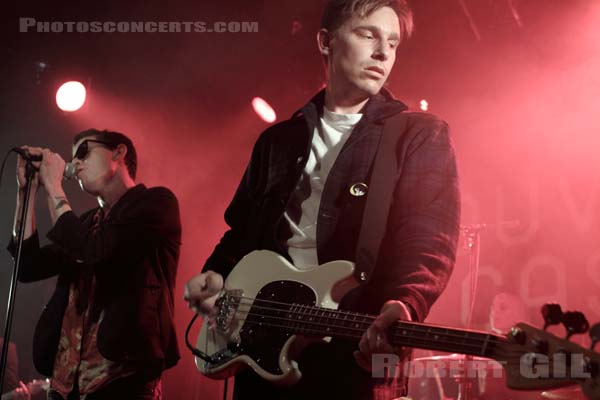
133, 255
418, 250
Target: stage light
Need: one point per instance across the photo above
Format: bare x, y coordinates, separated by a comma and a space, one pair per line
70, 96
264, 110
424, 105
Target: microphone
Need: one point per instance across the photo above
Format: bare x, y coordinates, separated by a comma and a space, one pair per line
25, 154
70, 169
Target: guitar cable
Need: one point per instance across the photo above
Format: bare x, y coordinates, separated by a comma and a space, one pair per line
199, 353
195, 351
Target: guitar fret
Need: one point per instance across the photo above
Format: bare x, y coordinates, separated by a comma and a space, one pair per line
328, 322
311, 320
355, 324
300, 318
319, 321
439, 338
291, 323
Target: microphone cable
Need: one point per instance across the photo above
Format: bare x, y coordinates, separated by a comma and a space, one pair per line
4, 163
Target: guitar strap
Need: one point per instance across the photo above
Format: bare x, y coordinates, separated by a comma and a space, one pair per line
379, 198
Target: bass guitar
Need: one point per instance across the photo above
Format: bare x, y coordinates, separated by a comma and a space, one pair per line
268, 309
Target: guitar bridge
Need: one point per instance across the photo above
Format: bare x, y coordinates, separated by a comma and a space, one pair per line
227, 306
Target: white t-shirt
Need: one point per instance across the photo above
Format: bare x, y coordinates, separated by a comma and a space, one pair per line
303, 210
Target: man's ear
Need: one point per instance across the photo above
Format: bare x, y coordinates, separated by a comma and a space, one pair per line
324, 41
120, 152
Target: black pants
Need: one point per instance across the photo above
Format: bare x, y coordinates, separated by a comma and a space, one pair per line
329, 371
134, 387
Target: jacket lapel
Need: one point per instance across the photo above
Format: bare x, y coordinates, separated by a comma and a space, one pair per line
353, 164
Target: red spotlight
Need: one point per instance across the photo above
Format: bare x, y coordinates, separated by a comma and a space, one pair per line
70, 96
264, 110
424, 105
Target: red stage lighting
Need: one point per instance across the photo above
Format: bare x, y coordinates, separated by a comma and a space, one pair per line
264, 110
70, 96
424, 105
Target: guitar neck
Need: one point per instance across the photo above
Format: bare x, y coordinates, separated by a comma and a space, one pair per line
433, 337
316, 321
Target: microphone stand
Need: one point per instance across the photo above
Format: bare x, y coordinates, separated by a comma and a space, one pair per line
472, 243
30, 170
472, 235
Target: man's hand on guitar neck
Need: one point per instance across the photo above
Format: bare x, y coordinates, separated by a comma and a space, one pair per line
375, 340
202, 291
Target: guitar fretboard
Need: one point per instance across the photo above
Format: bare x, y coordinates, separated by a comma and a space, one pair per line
317, 321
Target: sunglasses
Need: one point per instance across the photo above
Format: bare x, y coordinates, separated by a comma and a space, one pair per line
83, 149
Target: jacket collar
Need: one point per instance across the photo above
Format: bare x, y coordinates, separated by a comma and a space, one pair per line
379, 107
130, 196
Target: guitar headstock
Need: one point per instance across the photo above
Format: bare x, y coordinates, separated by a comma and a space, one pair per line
536, 359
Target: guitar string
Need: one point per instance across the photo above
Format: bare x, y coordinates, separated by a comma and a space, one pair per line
400, 325
358, 332
508, 356
303, 305
352, 314
431, 345
413, 327
500, 354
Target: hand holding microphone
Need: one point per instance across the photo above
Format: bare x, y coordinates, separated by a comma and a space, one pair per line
52, 168
36, 154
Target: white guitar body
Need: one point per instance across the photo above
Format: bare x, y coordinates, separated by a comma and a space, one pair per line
234, 343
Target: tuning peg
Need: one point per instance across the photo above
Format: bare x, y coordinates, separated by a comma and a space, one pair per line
552, 314
575, 322
595, 335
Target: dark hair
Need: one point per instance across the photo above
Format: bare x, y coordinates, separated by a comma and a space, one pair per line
115, 139
339, 11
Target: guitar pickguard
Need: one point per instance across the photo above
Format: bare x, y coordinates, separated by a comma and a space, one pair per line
266, 328
260, 314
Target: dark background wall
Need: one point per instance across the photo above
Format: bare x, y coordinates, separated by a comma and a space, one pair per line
516, 79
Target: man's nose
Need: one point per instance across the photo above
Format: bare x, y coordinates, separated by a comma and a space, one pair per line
382, 52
